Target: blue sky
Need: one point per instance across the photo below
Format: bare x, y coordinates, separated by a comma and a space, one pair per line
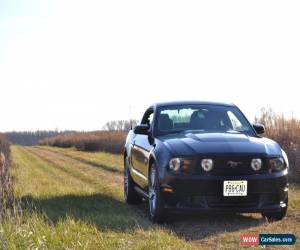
77, 64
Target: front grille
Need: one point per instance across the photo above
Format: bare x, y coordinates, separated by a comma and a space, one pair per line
223, 168
217, 201
247, 201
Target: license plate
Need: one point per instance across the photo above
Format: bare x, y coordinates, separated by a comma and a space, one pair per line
235, 188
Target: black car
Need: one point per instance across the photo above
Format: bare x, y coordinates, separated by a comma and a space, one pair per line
198, 157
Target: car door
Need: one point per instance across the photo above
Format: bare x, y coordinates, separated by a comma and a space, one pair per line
140, 151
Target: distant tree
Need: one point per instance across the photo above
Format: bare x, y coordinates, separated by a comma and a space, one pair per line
120, 125
30, 138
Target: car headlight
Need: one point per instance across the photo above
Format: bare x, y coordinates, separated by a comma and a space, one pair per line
277, 164
207, 164
177, 164
256, 164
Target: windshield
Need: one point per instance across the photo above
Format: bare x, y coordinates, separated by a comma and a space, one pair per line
201, 118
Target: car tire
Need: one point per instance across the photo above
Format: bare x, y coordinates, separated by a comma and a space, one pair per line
130, 195
276, 216
156, 208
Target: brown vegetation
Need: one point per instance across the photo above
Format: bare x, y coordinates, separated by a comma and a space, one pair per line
107, 141
6, 194
31, 138
285, 131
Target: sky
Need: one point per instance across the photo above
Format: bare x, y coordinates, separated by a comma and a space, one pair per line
78, 64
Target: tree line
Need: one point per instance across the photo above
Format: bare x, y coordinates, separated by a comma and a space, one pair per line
31, 138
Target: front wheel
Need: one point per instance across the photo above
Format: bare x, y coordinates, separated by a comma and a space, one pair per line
156, 205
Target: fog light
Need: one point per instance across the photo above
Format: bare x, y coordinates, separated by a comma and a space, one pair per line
256, 164
174, 164
207, 164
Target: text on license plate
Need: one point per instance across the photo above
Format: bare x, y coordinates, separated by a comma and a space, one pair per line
235, 188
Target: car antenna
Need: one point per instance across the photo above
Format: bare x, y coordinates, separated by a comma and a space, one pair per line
130, 114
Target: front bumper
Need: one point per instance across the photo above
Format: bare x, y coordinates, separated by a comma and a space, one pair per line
194, 193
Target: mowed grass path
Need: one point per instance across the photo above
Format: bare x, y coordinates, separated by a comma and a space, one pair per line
74, 200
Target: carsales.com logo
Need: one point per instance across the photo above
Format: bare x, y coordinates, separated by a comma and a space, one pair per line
267, 239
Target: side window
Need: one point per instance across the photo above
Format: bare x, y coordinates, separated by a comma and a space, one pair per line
235, 122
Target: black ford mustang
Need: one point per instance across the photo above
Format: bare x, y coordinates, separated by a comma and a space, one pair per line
197, 157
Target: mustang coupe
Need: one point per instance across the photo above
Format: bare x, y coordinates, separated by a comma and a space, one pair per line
199, 157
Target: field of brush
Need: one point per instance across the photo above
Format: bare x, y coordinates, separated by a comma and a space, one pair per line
74, 200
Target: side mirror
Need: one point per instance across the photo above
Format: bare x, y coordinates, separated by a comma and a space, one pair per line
259, 128
142, 129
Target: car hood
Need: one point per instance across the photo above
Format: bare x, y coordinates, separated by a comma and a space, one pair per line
218, 143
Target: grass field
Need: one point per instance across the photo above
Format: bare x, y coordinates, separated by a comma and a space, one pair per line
74, 200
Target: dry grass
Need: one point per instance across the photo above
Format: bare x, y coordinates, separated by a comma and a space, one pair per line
6, 193
78, 206
74, 205
285, 131
106, 141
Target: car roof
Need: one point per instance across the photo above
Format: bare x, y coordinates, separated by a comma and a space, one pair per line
174, 103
